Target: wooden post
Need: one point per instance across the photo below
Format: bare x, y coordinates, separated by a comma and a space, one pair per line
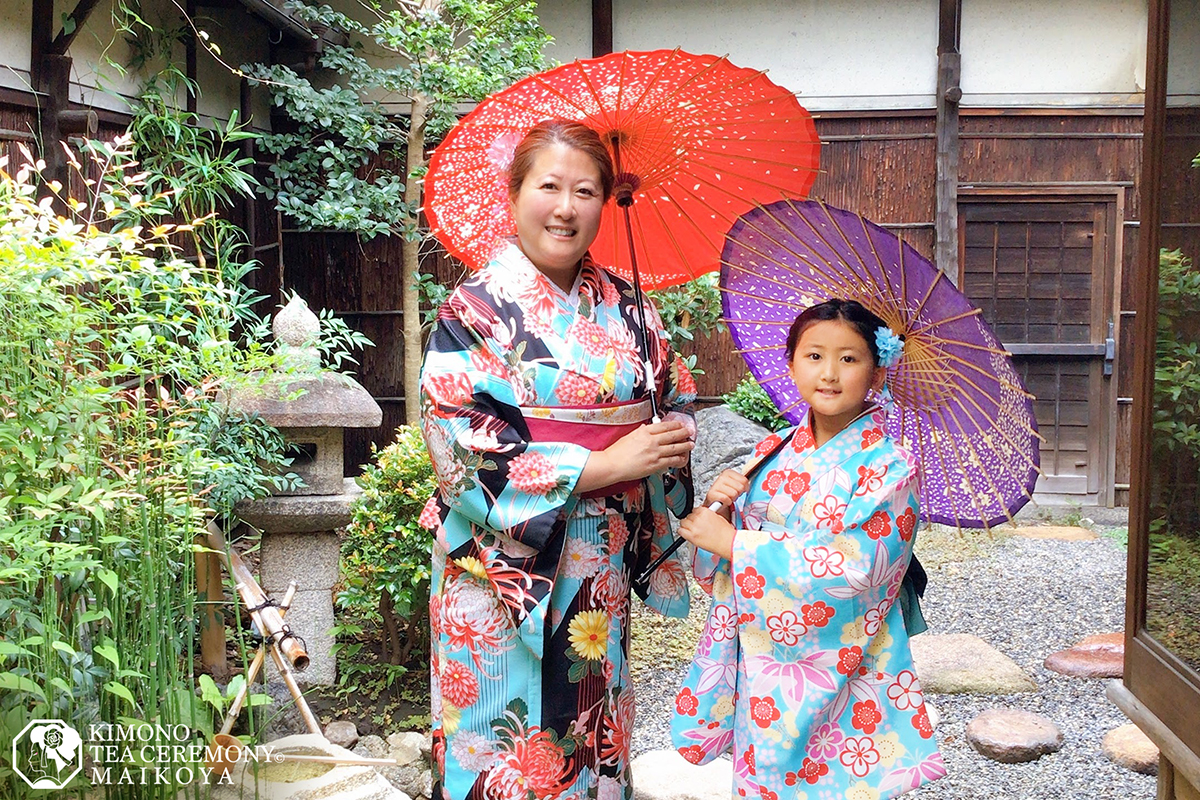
949, 92
210, 593
602, 27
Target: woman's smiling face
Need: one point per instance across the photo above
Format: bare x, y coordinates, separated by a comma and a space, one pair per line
557, 209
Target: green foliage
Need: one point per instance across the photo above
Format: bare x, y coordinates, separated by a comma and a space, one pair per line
1177, 356
447, 53
114, 448
691, 308
750, 401
386, 552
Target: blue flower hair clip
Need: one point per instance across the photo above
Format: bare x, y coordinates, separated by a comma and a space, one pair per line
889, 345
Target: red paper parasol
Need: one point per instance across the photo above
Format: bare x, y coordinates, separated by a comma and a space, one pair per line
696, 140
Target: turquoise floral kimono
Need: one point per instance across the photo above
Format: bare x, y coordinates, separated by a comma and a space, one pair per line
530, 593
803, 669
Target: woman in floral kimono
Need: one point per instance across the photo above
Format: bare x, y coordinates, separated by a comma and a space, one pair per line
803, 668
554, 489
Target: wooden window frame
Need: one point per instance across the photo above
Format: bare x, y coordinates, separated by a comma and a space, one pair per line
1111, 193
1164, 685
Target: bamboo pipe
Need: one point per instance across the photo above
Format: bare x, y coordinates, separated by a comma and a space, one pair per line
289, 680
270, 621
357, 761
255, 666
227, 751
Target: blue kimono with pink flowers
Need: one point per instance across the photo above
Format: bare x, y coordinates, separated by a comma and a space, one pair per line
803, 670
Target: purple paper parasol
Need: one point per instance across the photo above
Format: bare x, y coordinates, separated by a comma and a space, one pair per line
959, 404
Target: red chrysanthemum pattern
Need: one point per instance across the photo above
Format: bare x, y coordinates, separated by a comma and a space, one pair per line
532, 473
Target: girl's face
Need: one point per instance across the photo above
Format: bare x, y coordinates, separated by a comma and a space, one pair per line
833, 370
557, 209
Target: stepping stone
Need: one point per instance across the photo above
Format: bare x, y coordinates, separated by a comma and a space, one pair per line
959, 663
1012, 736
1060, 532
1099, 656
1128, 747
666, 775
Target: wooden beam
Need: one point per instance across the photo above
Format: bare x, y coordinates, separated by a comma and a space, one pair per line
41, 32
949, 92
77, 19
602, 27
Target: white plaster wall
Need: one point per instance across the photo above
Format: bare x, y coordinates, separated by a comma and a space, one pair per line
1183, 54
97, 83
15, 16
878, 54
1063, 53
834, 54
570, 23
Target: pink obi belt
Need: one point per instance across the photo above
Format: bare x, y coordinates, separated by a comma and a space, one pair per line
592, 426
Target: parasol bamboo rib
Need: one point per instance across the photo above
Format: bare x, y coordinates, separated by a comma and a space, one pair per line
833, 277
1029, 461
752, 159
863, 279
962, 466
975, 312
987, 473
897, 303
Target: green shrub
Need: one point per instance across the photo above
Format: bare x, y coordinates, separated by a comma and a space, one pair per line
112, 349
386, 554
750, 401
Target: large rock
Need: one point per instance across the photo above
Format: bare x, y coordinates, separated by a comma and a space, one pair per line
1013, 736
959, 663
406, 747
1099, 656
1128, 747
724, 440
666, 775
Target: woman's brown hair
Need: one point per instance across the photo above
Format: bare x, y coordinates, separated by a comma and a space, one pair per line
550, 132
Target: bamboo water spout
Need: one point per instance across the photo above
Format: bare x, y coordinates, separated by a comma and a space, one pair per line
266, 615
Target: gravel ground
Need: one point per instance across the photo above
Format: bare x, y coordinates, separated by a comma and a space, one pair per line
1028, 598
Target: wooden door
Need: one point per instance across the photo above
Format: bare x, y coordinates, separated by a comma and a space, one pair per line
1042, 271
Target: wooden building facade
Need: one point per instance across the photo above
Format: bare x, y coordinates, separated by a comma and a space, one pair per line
1003, 145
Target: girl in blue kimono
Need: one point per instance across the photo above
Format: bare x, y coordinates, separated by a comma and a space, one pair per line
554, 486
803, 668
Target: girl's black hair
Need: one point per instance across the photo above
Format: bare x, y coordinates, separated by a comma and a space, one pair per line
849, 311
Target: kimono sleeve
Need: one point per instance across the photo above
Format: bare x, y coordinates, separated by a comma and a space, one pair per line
487, 470
863, 552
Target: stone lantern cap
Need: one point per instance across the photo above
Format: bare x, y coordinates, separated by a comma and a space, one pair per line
324, 400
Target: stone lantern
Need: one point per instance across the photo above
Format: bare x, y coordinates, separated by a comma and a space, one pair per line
299, 542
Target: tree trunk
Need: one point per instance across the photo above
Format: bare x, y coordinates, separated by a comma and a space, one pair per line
391, 631
410, 263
